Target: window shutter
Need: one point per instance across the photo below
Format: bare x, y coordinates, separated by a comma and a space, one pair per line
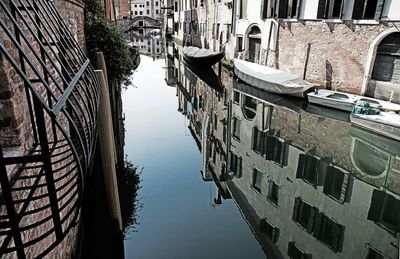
270, 187
296, 208
269, 149
275, 235
329, 178
376, 205
239, 174
358, 9
311, 219
321, 9
344, 188
337, 231
263, 225
282, 11
317, 224
300, 166
299, 3
379, 9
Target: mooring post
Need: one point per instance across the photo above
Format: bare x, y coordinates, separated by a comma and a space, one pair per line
107, 151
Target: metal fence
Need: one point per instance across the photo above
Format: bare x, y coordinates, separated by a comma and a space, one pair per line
41, 189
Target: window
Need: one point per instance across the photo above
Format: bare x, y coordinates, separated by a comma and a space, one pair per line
304, 214
147, 3
156, 11
215, 121
328, 232
258, 144
271, 231
385, 210
367, 9
257, 177
387, 62
236, 97
228, 32
242, 9
156, 3
273, 191
289, 8
135, 12
236, 165
135, 5
148, 11
336, 183
141, 13
217, 31
330, 9
294, 252
176, 6
236, 128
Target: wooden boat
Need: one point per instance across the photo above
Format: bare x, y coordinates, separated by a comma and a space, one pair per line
201, 56
381, 122
345, 101
270, 79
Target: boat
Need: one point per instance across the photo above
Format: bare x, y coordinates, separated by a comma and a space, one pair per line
270, 79
201, 56
206, 74
371, 118
346, 101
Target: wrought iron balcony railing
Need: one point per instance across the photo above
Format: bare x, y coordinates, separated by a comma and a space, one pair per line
41, 189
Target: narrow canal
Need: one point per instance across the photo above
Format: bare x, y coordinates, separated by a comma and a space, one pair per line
179, 218
233, 172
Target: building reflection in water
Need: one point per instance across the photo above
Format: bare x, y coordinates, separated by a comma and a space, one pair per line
148, 41
308, 183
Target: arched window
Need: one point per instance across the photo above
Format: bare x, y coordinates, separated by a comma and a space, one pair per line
254, 46
387, 62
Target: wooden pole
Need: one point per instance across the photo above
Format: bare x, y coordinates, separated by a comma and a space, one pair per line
107, 151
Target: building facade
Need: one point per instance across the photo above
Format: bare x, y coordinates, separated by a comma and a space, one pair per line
351, 46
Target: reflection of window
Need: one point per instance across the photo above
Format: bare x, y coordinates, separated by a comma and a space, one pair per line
271, 231
273, 190
239, 44
276, 150
215, 121
374, 254
257, 177
249, 107
236, 165
258, 144
307, 168
294, 252
336, 183
236, 97
328, 232
304, 214
385, 209
236, 128
370, 160
288, 8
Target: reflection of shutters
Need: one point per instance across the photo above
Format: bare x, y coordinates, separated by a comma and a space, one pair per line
344, 188
317, 224
321, 9
275, 235
300, 166
376, 205
269, 147
291, 250
329, 178
313, 212
379, 9
296, 208
239, 169
337, 231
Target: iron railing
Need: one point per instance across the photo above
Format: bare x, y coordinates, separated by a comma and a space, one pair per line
41, 189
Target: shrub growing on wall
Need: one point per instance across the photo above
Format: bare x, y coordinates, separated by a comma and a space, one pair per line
107, 36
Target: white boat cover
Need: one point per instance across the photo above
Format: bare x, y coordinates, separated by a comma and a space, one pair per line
388, 118
196, 52
270, 79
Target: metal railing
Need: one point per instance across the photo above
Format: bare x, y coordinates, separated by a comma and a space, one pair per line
41, 190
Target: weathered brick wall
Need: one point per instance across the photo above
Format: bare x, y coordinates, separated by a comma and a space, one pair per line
338, 51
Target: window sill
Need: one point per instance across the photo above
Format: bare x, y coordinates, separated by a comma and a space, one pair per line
332, 21
365, 22
256, 190
291, 20
272, 202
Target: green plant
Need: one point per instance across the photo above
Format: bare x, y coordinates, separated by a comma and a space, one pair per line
106, 36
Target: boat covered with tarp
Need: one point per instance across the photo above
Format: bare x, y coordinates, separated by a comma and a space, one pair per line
201, 56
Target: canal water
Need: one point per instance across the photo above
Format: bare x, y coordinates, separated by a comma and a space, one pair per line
229, 171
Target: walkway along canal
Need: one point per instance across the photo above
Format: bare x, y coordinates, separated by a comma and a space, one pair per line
240, 173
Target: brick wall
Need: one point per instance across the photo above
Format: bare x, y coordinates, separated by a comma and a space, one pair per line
338, 55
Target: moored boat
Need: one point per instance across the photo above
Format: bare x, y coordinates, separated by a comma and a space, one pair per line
270, 79
345, 101
201, 56
381, 122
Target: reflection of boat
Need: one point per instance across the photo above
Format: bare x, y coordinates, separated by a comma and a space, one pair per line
201, 56
327, 112
270, 79
206, 74
345, 101
385, 123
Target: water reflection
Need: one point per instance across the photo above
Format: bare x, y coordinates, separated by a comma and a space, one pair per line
148, 41
307, 182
